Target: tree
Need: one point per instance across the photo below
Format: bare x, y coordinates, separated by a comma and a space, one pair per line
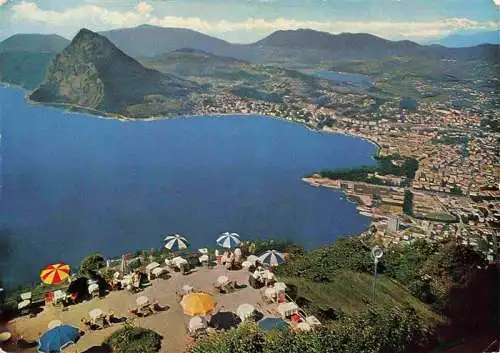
92, 263
131, 339
408, 203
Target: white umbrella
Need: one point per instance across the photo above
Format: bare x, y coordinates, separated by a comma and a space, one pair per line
95, 313
244, 311
222, 279
142, 300
228, 240
152, 266
272, 258
176, 242
197, 322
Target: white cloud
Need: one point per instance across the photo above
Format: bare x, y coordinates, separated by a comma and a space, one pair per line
99, 18
144, 9
3, 2
496, 2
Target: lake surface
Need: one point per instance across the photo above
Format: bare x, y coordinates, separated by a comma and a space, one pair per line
73, 184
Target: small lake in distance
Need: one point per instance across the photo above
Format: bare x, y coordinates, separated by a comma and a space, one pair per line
74, 184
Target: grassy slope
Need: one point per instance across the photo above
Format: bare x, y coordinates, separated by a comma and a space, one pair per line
352, 291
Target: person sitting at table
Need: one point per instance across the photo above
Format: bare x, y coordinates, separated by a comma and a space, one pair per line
295, 319
224, 257
230, 261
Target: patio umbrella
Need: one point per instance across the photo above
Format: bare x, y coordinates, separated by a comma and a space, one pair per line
198, 304
55, 274
222, 280
176, 242
152, 266
272, 323
228, 240
57, 338
244, 311
272, 258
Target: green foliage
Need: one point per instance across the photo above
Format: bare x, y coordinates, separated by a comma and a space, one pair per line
321, 265
456, 190
408, 203
372, 331
246, 338
392, 164
134, 340
431, 271
91, 264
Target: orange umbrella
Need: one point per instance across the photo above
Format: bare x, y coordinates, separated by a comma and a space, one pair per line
198, 304
55, 274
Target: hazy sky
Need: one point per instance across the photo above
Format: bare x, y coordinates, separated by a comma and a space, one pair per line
249, 20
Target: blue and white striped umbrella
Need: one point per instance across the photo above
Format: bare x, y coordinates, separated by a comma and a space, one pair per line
228, 240
176, 242
272, 258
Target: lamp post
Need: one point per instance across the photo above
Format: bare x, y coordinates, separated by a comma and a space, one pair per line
376, 254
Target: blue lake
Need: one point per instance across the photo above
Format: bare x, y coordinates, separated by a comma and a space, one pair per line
73, 184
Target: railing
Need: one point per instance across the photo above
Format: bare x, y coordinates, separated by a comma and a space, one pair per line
493, 347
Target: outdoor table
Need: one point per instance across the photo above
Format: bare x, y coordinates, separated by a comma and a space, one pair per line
197, 323
95, 314
245, 311
252, 259
53, 324
268, 275
280, 287
142, 301
287, 309
158, 271
152, 266
312, 320
24, 304
270, 293
187, 289
304, 326
180, 262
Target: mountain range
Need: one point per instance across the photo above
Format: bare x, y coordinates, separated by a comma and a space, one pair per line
463, 40
148, 70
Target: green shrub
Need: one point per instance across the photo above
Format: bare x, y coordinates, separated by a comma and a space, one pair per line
92, 263
321, 265
134, 340
246, 338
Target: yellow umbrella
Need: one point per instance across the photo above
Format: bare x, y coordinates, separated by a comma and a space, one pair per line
55, 274
196, 304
